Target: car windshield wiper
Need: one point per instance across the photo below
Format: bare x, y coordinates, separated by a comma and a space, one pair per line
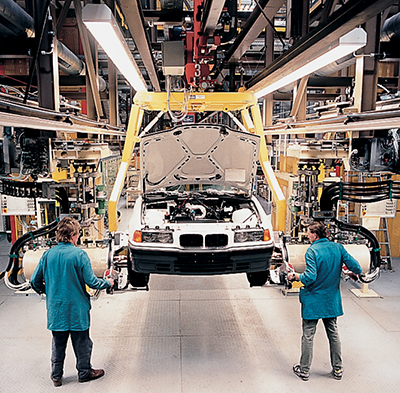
160, 195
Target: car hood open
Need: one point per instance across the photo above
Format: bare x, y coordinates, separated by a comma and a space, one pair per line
199, 154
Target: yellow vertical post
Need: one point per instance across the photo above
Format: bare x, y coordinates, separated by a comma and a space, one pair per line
278, 196
247, 122
135, 121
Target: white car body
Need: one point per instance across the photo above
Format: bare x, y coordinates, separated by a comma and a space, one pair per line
197, 214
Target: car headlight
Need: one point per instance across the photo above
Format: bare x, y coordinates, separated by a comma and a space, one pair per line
155, 237
252, 236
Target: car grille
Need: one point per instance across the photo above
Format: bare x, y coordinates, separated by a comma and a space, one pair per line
191, 241
207, 263
216, 240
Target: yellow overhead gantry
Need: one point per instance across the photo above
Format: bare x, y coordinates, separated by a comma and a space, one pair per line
196, 102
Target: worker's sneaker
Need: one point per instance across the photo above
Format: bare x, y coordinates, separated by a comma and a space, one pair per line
56, 382
94, 374
301, 374
338, 373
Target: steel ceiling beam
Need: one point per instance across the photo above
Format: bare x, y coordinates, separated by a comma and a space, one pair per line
211, 13
252, 29
134, 18
346, 18
63, 16
90, 68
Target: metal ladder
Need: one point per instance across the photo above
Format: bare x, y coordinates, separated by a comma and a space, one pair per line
386, 254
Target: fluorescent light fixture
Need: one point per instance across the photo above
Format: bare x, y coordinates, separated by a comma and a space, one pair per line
347, 44
100, 21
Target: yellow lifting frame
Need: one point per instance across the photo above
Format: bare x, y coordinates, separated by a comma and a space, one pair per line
278, 197
195, 102
135, 121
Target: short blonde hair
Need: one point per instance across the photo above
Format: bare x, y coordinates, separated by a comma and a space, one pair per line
66, 229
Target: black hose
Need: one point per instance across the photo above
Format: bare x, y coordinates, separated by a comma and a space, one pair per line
19, 243
356, 192
363, 193
63, 199
367, 234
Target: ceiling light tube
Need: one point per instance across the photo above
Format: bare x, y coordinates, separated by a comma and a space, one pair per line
347, 44
101, 23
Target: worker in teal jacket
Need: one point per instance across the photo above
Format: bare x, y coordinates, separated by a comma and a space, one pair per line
320, 297
62, 274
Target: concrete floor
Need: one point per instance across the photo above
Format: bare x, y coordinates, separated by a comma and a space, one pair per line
205, 334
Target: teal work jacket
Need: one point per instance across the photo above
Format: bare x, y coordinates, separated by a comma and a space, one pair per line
61, 274
320, 297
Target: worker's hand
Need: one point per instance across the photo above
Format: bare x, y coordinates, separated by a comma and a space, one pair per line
111, 281
353, 276
292, 277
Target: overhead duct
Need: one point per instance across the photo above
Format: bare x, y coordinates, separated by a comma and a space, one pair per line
68, 61
391, 29
16, 22
73, 65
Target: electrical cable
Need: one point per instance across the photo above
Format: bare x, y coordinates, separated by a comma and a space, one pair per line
182, 114
13, 264
374, 249
363, 193
20, 175
359, 192
62, 197
396, 147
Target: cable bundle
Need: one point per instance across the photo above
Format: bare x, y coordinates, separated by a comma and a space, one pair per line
359, 192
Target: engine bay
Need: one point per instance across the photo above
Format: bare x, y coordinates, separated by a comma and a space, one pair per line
199, 207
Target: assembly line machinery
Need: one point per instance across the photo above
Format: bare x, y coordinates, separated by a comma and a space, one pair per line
57, 163
80, 167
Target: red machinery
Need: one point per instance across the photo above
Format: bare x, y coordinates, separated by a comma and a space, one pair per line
200, 46
198, 56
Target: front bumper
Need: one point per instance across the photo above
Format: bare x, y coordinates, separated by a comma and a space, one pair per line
199, 263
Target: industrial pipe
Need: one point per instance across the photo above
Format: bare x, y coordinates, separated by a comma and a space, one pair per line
68, 61
391, 29
16, 22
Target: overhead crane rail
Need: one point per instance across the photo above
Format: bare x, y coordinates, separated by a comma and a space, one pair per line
15, 114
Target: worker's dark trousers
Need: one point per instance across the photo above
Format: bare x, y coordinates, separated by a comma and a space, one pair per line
307, 342
82, 345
